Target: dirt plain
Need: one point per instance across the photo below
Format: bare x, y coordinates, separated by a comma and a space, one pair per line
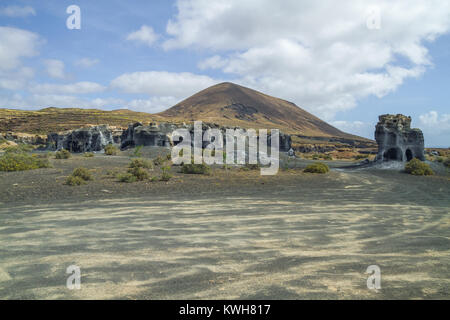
229, 235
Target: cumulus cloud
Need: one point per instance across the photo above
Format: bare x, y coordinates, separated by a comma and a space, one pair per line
74, 88
320, 55
436, 128
39, 101
16, 44
16, 11
86, 62
55, 68
145, 35
162, 83
359, 128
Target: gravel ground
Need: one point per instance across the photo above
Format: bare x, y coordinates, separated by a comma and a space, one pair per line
229, 235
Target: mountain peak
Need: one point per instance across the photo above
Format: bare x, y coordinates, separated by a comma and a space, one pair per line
231, 104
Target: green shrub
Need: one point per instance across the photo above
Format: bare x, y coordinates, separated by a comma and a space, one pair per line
360, 156
329, 158
140, 163
137, 152
111, 150
317, 168
158, 160
88, 154
19, 148
126, 177
74, 181
62, 154
418, 168
140, 173
3, 140
249, 167
20, 161
165, 176
195, 169
83, 173
153, 179
169, 157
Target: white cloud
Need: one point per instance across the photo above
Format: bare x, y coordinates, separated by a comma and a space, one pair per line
55, 68
318, 54
40, 101
74, 88
436, 128
16, 79
16, 11
86, 62
162, 84
359, 128
152, 105
145, 35
16, 44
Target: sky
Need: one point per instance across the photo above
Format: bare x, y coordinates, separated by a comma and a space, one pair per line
346, 62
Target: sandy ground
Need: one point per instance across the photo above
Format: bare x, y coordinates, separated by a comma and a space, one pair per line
231, 235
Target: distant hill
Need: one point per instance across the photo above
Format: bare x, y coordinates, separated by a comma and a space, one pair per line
60, 119
234, 105
226, 104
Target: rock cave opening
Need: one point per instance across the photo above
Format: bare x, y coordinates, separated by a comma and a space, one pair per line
393, 154
408, 155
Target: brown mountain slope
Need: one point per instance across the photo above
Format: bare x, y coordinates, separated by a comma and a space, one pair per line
234, 105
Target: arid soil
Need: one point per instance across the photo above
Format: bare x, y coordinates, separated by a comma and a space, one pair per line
229, 235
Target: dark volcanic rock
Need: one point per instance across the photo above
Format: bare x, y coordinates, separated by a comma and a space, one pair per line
152, 135
396, 140
81, 140
137, 134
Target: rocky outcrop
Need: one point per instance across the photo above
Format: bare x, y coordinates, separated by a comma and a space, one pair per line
152, 135
82, 140
26, 138
137, 134
396, 140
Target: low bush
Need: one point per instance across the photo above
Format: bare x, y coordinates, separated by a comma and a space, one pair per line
19, 148
165, 176
137, 152
195, 169
83, 173
126, 177
140, 163
140, 173
20, 161
317, 168
361, 156
250, 167
111, 150
159, 160
88, 154
74, 181
418, 168
78, 177
62, 154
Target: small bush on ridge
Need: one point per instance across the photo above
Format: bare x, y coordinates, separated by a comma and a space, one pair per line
317, 168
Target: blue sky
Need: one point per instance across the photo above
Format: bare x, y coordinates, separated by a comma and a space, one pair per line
344, 63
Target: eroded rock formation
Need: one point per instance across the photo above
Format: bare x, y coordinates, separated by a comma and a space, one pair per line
396, 140
82, 140
137, 134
